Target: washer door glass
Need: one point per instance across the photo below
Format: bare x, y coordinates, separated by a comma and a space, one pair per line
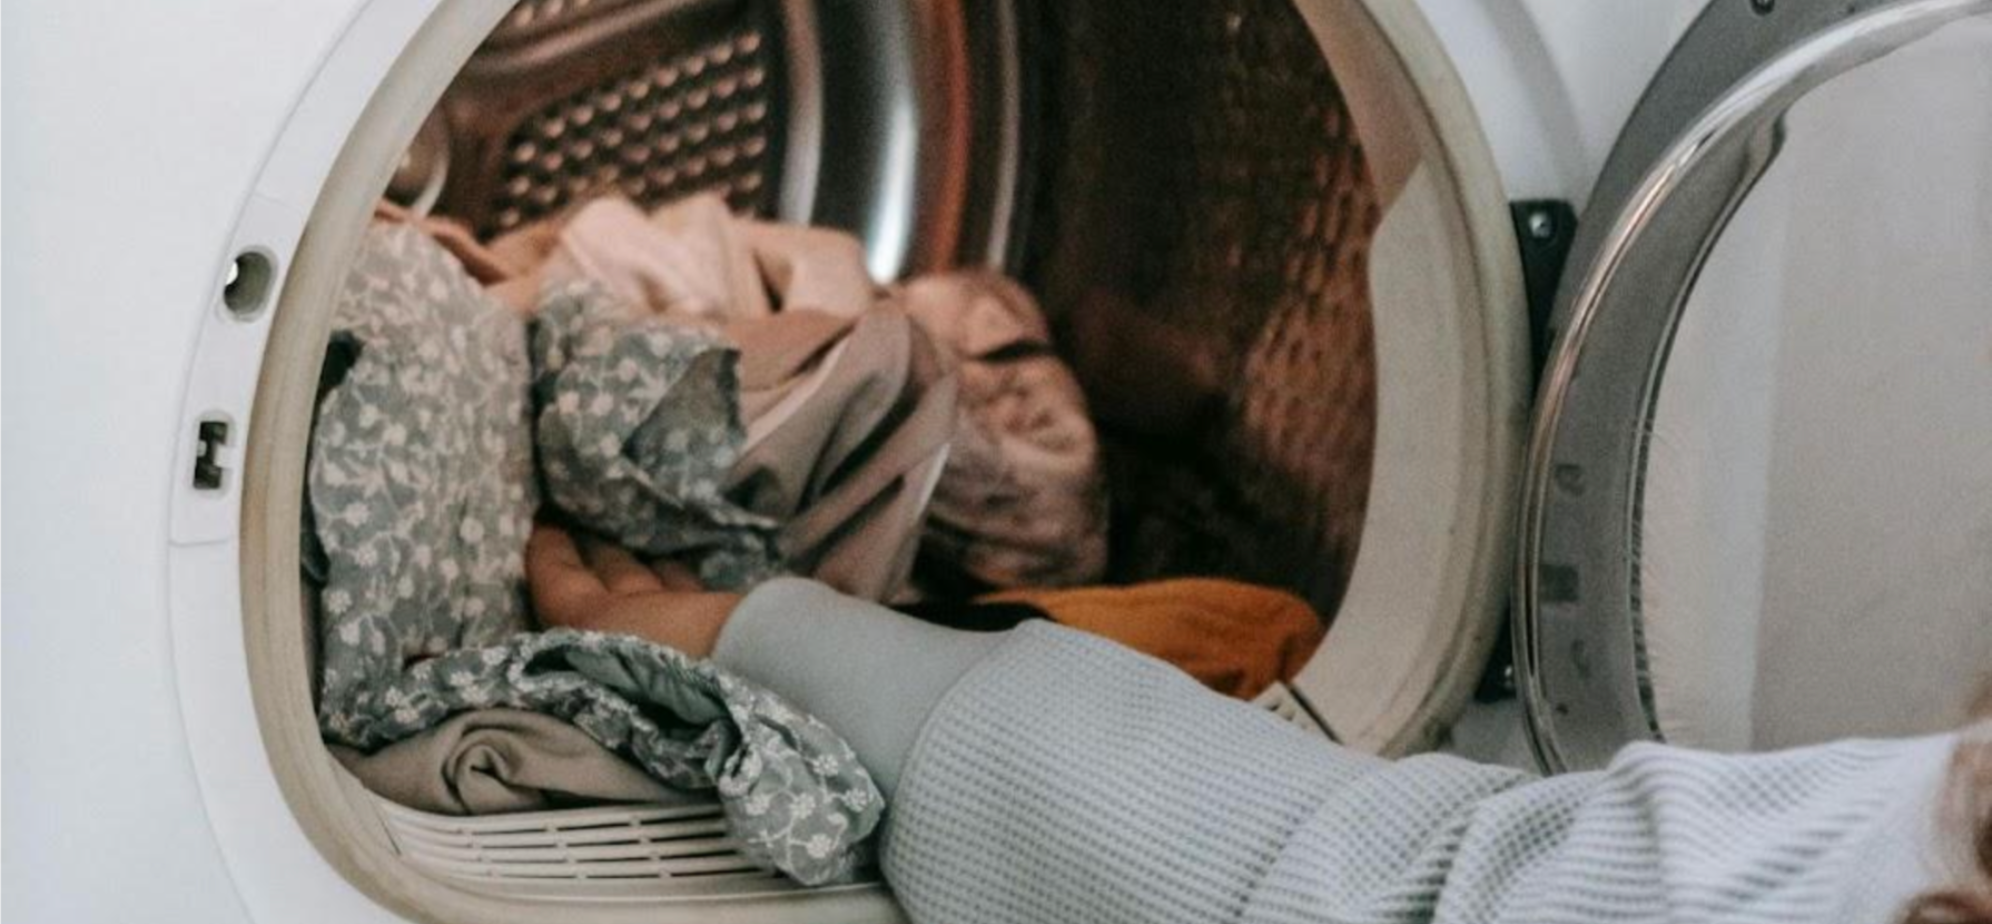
1760, 493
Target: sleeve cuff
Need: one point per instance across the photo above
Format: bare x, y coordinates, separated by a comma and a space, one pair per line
870, 673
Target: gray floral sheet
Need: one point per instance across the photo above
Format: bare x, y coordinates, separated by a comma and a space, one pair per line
639, 427
423, 488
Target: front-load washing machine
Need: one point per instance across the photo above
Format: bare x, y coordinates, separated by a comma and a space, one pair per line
1667, 317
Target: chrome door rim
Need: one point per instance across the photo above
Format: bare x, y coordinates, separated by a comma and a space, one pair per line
1579, 648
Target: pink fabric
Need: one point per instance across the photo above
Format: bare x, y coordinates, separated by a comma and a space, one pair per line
1023, 502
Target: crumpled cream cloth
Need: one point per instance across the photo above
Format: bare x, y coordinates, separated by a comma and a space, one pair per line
696, 259
693, 260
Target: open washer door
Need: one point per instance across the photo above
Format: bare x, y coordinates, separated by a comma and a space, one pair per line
1758, 501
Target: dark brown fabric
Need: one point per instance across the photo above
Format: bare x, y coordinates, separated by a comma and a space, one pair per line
970, 616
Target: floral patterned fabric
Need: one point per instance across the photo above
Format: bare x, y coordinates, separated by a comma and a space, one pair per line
422, 493
639, 426
421, 473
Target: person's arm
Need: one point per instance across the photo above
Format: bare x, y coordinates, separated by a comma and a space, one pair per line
1043, 775
1005, 751
591, 584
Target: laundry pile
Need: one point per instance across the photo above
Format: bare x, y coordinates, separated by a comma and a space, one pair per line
724, 398
422, 494
1020, 500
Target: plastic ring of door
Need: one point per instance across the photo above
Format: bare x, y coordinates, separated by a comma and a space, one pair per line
1708, 128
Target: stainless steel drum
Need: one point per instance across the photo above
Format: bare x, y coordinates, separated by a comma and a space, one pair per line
1183, 186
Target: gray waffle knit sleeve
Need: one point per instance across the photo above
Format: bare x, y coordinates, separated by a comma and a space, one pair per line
1045, 775
867, 671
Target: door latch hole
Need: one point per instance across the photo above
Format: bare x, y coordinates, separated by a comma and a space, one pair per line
211, 436
247, 288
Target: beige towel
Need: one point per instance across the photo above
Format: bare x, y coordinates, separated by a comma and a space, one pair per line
501, 760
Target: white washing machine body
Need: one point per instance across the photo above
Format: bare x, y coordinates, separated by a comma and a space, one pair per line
145, 145
152, 144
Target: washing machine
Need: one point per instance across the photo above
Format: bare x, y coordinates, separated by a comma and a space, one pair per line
1606, 370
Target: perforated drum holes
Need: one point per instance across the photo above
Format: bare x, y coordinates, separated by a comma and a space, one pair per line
248, 287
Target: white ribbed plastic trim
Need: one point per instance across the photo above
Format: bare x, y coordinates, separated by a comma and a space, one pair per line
610, 853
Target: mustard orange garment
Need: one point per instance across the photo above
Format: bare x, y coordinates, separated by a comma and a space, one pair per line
1236, 638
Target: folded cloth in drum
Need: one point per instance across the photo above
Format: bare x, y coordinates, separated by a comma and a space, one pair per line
491, 761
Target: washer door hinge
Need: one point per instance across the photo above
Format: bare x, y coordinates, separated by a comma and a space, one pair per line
1544, 228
